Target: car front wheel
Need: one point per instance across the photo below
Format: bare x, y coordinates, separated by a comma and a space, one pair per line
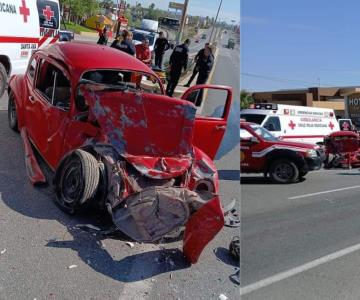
76, 180
283, 171
12, 113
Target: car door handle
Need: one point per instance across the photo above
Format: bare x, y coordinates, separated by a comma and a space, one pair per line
31, 98
220, 127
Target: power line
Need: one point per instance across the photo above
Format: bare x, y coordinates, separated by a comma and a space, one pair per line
283, 80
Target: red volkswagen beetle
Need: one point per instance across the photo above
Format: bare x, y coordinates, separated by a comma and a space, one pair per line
101, 121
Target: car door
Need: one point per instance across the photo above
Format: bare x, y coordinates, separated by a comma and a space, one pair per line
250, 144
51, 105
213, 108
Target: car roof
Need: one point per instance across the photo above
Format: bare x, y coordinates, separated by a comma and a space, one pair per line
81, 57
143, 31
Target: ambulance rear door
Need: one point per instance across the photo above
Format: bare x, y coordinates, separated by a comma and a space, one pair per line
49, 21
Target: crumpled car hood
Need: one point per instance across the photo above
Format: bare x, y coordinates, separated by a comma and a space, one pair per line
152, 132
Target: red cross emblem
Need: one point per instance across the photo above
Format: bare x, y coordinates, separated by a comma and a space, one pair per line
292, 125
25, 11
331, 125
48, 13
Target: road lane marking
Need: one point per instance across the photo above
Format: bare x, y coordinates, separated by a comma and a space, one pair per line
297, 270
325, 192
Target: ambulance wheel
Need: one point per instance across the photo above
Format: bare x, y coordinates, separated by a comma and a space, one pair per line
3, 79
283, 171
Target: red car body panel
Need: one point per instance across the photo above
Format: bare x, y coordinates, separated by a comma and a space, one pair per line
209, 131
156, 134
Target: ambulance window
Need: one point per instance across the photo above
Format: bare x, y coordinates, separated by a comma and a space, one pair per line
253, 118
273, 124
32, 68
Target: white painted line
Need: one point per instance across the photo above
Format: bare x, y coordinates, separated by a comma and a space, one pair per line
292, 272
325, 192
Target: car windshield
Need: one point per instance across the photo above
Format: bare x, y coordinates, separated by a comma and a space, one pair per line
124, 80
266, 135
139, 36
253, 118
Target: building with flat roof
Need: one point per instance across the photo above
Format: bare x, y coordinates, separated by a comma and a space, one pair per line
335, 98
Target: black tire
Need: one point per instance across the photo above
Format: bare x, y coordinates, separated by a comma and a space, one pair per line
3, 79
302, 174
283, 171
12, 113
76, 180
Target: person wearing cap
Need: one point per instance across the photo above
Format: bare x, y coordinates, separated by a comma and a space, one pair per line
198, 57
178, 62
160, 47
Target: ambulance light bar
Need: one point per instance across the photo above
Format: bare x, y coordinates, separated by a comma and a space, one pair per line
270, 106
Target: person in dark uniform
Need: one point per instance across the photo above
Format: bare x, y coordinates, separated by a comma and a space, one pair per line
199, 56
178, 62
205, 65
161, 45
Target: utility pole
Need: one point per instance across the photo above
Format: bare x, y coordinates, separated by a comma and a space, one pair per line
183, 21
217, 14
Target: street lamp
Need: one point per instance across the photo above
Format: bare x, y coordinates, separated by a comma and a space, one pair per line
217, 14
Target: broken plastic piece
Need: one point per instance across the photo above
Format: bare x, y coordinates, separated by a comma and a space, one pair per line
88, 226
130, 244
3, 251
222, 297
235, 278
72, 266
232, 218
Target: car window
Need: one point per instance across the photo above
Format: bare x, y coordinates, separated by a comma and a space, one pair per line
273, 124
32, 68
266, 135
54, 85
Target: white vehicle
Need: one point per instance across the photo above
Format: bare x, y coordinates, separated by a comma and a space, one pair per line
149, 25
25, 26
293, 123
138, 36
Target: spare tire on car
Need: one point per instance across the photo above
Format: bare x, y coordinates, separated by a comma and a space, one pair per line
76, 180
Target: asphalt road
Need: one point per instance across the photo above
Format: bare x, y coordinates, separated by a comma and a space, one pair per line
39, 242
295, 238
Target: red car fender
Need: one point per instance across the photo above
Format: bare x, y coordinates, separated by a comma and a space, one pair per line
201, 228
17, 86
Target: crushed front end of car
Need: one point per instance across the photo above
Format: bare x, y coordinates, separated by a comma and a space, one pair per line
153, 181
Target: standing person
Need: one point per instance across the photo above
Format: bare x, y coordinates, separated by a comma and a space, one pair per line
178, 61
117, 41
160, 47
206, 63
199, 56
143, 52
126, 44
104, 36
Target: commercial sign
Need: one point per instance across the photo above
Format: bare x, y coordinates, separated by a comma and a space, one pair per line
175, 5
353, 108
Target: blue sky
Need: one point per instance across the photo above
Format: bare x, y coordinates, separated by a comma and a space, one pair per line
299, 43
230, 9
